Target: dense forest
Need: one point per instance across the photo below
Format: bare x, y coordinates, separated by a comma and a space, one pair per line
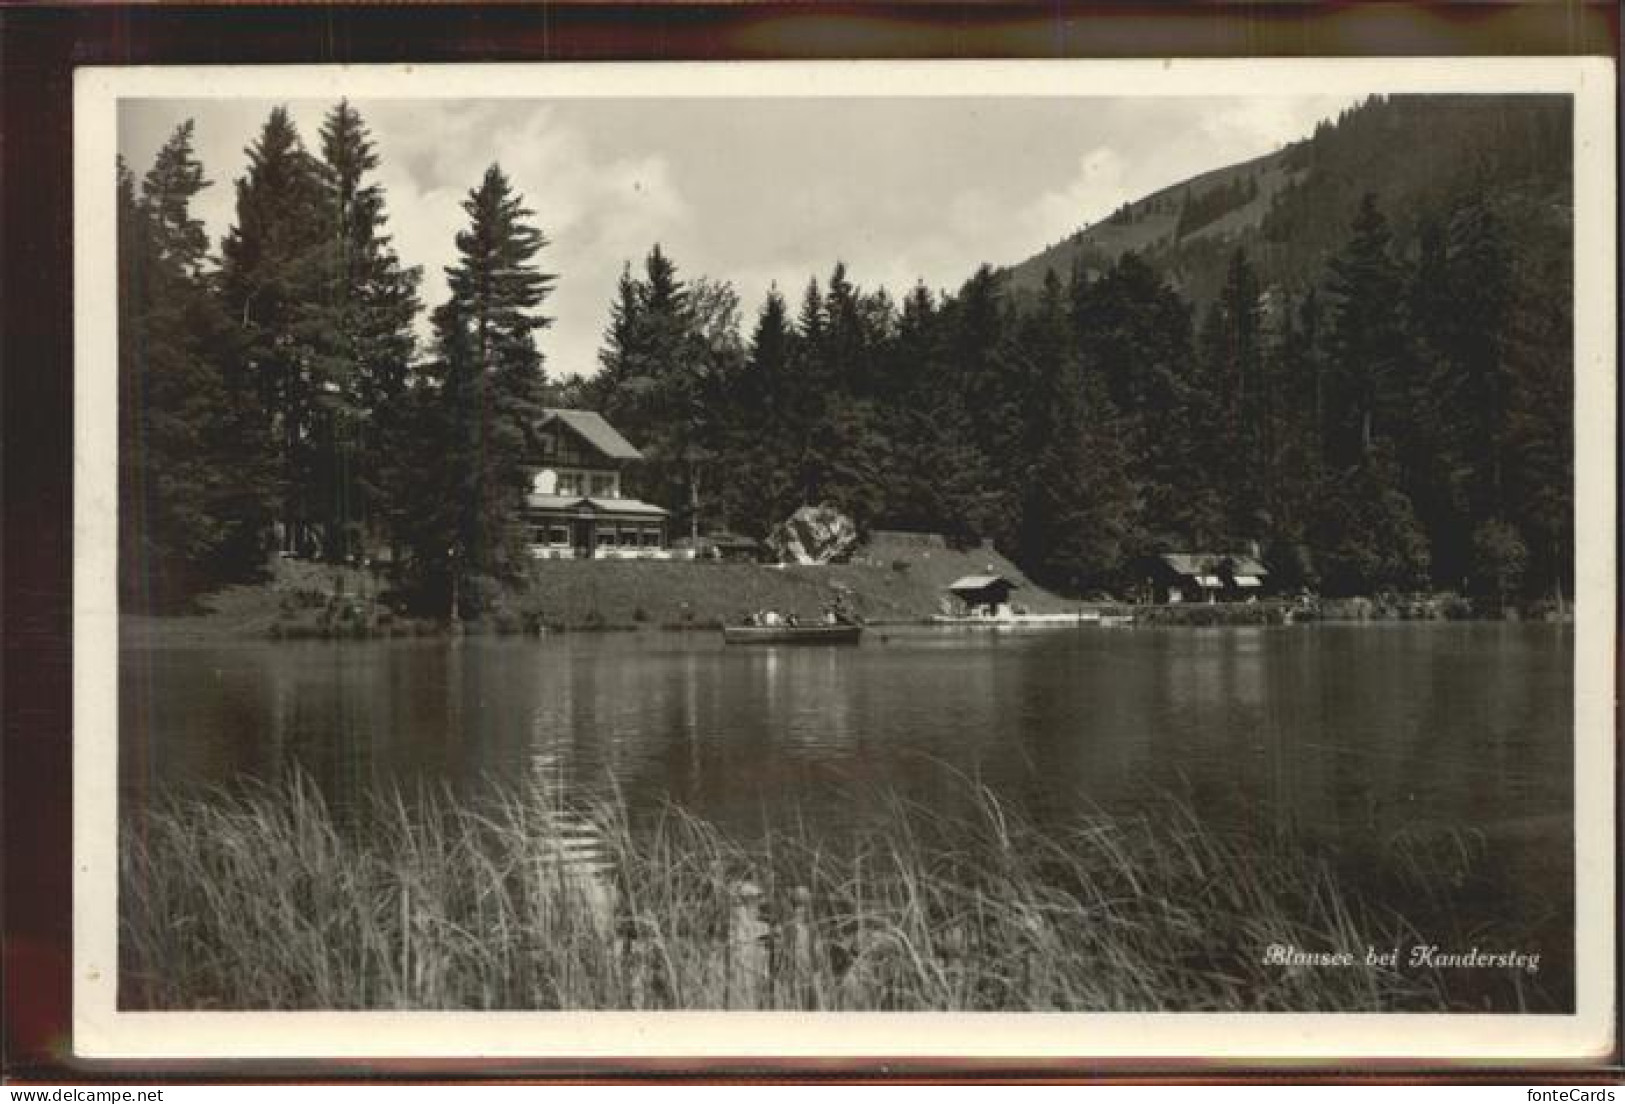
1389, 410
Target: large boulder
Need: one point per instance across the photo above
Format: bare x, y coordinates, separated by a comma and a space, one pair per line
813, 535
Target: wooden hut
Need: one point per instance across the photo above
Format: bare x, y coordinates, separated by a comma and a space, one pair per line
1205, 577
984, 595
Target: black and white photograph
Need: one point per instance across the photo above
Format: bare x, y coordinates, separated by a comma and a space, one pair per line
1081, 538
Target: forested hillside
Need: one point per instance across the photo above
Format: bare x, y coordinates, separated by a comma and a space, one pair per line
1355, 355
1290, 209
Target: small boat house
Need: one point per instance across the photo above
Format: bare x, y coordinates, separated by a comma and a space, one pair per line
1205, 577
984, 595
577, 508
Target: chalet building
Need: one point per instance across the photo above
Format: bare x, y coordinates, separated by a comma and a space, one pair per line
1205, 577
577, 508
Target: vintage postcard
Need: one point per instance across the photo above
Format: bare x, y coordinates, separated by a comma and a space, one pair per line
1035, 560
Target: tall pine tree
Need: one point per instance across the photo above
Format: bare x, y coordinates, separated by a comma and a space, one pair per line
363, 344
176, 480
1368, 531
1368, 339
485, 392
1077, 507
270, 282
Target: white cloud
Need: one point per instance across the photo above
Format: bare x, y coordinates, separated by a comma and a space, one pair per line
1096, 190
762, 191
595, 210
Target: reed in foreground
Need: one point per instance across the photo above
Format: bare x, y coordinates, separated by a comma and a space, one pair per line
267, 901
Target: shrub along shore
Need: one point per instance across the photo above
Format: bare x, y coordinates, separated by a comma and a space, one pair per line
268, 900
306, 601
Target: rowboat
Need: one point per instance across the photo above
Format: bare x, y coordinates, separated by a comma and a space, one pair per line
792, 634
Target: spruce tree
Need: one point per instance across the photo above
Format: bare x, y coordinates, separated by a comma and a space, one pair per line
270, 283
1078, 511
807, 394
842, 442
1368, 530
847, 346
1135, 339
619, 360
1368, 338
703, 391
485, 394
361, 328
755, 489
668, 348
1233, 439
1433, 441
176, 480
1539, 439
981, 368
1480, 281
135, 242
1293, 365
935, 479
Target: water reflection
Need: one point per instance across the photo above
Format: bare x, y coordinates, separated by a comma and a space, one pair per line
1343, 730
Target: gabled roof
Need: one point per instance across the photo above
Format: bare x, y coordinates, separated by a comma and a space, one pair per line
580, 504
980, 582
1208, 563
591, 427
624, 506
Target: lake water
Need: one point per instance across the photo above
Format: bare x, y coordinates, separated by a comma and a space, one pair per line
1344, 733
1335, 728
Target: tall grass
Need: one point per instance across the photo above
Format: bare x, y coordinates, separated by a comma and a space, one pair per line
268, 901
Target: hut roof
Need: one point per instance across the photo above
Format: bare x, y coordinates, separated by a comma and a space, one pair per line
625, 506
1209, 563
598, 433
578, 504
981, 582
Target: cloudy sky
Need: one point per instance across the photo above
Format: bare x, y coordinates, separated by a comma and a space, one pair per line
755, 191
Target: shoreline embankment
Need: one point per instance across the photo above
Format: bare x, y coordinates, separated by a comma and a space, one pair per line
891, 581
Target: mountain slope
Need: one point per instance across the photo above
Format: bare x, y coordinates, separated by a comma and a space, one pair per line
1291, 209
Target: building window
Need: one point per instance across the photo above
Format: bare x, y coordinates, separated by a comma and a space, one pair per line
651, 537
569, 483
603, 486
606, 538
538, 535
558, 535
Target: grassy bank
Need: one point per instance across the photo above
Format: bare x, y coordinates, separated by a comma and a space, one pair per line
265, 901
895, 578
567, 593
890, 579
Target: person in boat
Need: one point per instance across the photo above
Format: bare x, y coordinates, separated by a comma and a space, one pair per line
771, 618
839, 611
792, 620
